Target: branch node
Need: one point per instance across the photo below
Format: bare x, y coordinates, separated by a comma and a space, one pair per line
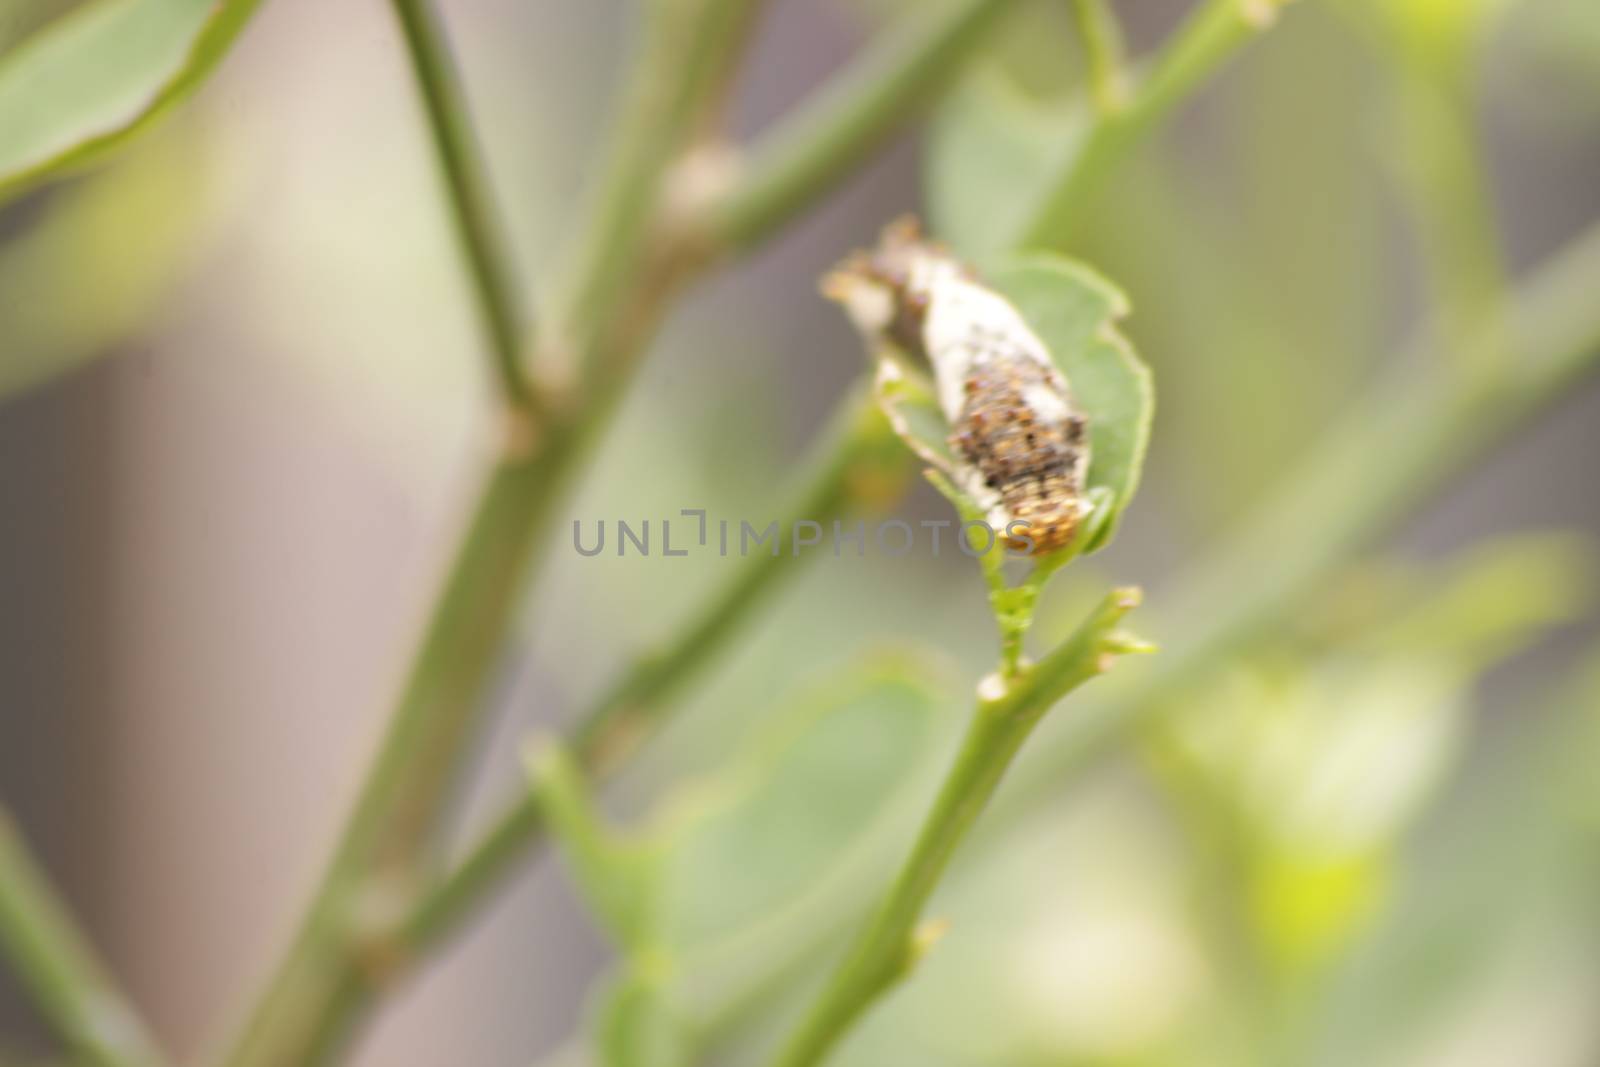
374, 929
924, 939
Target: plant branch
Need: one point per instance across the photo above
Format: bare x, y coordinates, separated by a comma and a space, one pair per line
1103, 49
494, 277
830, 134
57, 966
1212, 36
1444, 185
689, 52
892, 942
352, 941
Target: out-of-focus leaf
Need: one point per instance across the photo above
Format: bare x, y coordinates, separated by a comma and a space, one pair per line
1495, 598
94, 77
1299, 783
1479, 606
98, 263
1432, 36
1555, 61
1333, 760
1310, 776
796, 803
1306, 906
1507, 843
735, 877
1074, 312
993, 154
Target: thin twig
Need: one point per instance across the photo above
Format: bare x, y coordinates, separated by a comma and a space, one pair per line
830, 134
1212, 36
1103, 49
56, 964
1444, 181
892, 942
690, 50
494, 276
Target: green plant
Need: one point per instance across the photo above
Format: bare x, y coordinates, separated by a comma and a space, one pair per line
1013, 181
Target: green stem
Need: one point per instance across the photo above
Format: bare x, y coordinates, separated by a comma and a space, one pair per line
1103, 48
466, 177
356, 936
1439, 161
1013, 606
689, 51
511, 837
824, 140
1443, 181
1213, 35
616, 873
58, 967
890, 944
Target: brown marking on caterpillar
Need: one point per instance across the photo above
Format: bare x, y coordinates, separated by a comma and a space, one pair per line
1033, 461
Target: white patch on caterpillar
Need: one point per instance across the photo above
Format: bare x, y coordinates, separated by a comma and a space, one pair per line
1047, 404
870, 307
968, 326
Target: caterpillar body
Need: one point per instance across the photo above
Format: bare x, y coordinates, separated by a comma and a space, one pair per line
1022, 441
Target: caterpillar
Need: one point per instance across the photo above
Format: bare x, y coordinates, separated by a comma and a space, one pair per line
1022, 441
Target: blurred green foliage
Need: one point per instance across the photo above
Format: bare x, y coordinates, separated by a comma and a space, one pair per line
725, 889
1331, 856
90, 79
89, 272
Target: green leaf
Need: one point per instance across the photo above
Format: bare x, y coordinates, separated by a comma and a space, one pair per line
93, 78
1074, 311
1492, 600
1432, 31
1474, 889
993, 155
736, 874
102, 261
808, 791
